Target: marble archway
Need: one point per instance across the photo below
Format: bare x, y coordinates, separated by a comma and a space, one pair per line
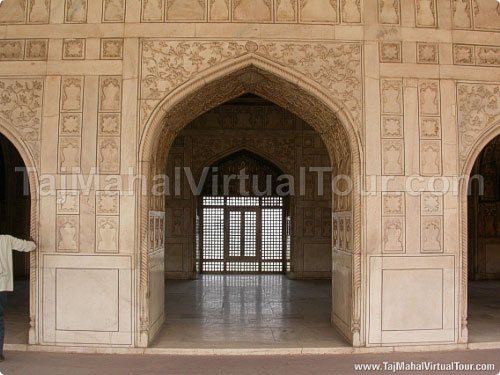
337, 125
29, 162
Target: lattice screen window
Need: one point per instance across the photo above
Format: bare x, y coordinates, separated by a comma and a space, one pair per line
243, 235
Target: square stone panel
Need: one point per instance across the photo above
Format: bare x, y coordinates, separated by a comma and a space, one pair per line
87, 300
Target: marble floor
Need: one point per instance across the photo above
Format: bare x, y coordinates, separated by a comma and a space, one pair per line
484, 311
257, 311
248, 311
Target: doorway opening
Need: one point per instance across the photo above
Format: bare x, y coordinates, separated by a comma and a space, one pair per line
248, 262
15, 209
484, 246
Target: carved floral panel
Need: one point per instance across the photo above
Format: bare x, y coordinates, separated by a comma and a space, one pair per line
167, 65
478, 109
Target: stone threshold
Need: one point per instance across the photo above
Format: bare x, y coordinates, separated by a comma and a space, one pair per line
251, 351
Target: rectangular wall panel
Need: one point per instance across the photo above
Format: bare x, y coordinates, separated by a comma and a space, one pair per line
411, 300
87, 299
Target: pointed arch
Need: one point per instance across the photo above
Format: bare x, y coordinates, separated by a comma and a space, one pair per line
279, 85
476, 148
15, 139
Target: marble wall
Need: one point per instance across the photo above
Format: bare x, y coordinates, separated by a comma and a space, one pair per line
404, 93
280, 137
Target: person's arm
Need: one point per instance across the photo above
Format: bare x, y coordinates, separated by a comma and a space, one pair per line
22, 245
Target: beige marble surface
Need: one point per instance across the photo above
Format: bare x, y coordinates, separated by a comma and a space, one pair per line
402, 92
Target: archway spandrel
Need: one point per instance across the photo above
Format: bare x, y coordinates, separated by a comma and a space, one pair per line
478, 111
334, 66
21, 108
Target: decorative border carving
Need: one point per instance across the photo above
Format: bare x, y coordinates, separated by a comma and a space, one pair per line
167, 64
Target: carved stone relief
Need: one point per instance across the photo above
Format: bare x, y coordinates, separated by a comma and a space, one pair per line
389, 12
12, 49
351, 11
68, 202
36, 49
21, 107
38, 11
185, 10
426, 14
113, 11
252, 10
112, 49
76, 11
486, 14
152, 10
464, 54
390, 52
432, 234
393, 204
286, 10
392, 127
393, 234
107, 233
431, 203
108, 155
430, 128
393, 221
67, 234
430, 158
74, 49
69, 154
392, 157
219, 10
109, 124
478, 109
71, 94
161, 59
429, 103
487, 55
13, 11
392, 96
427, 53
461, 13
107, 202
318, 10
71, 124
20, 49
110, 94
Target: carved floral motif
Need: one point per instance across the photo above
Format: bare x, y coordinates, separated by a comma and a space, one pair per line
21, 107
478, 109
336, 66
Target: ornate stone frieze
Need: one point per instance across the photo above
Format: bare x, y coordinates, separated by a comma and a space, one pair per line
478, 109
167, 65
21, 107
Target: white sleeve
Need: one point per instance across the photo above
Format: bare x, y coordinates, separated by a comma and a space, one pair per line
22, 245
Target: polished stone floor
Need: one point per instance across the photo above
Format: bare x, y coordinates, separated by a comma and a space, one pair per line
484, 311
220, 311
248, 311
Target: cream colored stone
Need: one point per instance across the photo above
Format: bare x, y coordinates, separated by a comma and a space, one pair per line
399, 90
